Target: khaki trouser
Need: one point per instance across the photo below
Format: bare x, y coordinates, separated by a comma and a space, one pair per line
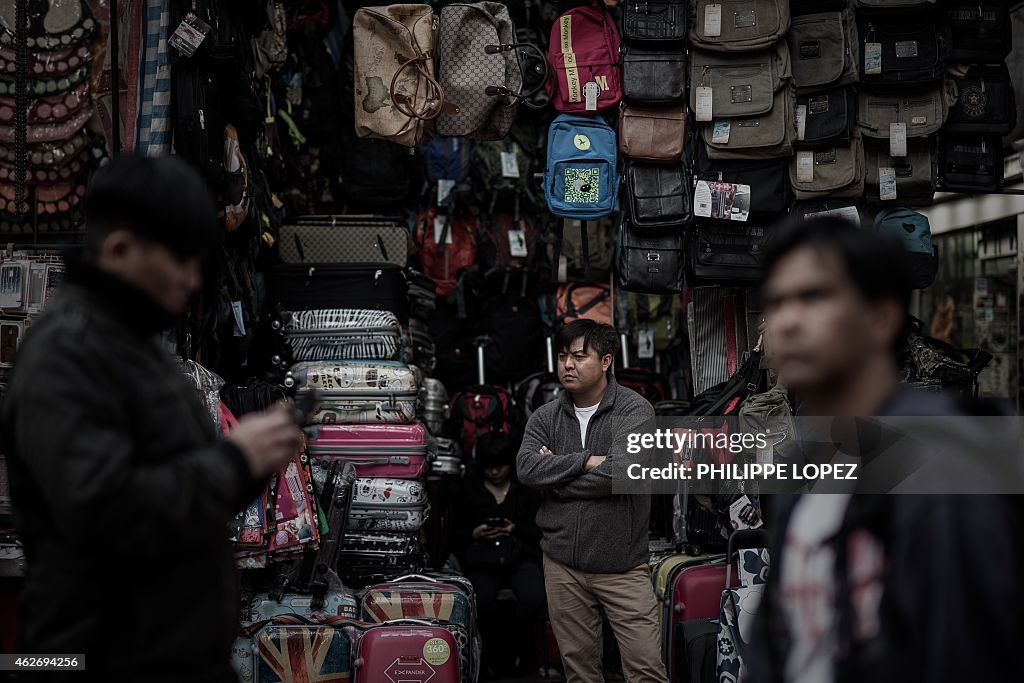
628, 600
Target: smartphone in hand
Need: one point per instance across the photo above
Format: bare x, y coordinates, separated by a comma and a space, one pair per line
496, 523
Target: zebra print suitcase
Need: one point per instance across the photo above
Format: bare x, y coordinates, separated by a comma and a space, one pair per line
358, 392
332, 334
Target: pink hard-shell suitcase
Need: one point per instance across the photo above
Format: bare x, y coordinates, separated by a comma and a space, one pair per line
377, 450
405, 652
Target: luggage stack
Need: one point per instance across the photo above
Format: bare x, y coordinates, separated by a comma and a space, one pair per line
366, 417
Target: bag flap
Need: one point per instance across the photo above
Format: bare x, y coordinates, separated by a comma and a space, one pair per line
741, 84
906, 46
817, 44
662, 240
834, 167
729, 245
655, 20
652, 182
741, 22
768, 130
917, 166
827, 114
640, 55
922, 109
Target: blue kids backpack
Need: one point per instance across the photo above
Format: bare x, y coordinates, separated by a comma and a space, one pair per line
581, 180
913, 230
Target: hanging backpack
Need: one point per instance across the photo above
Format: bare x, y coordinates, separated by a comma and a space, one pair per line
397, 96
586, 247
920, 109
650, 260
507, 244
656, 315
447, 246
728, 254
584, 55
581, 180
985, 102
657, 196
982, 30
503, 176
913, 230
653, 76
910, 179
896, 52
828, 118
575, 301
741, 85
479, 70
824, 50
479, 410
767, 136
446, 160
833, 172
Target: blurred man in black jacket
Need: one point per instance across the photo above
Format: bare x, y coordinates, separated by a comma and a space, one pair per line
876, 588
122, 490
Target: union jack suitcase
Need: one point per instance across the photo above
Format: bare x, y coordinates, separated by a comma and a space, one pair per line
358, 392
443, 598
286, 653
413, 650
386, 504
327, 334
398, 451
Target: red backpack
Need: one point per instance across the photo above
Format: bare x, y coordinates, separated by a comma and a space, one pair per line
584, 48
443, 262
479, 410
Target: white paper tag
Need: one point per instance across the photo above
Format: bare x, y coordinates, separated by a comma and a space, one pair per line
704, 107
236, 310
702, 200
872, 58
645, 344
713, 20
189, 35
517, 244
444, 188
848, 212
439, 222
805, 166
591, 91
563, 268
801, 121
720, 134
743, 515
898, 139
887, 184
509, 165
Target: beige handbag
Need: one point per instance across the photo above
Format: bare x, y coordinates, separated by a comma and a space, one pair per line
397, 96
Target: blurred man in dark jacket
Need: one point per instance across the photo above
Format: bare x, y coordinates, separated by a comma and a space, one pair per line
122, 490
875, 588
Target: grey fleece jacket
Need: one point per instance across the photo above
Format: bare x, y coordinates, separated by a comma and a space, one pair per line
585, 525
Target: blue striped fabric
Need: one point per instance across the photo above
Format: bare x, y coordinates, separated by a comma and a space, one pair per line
154, 132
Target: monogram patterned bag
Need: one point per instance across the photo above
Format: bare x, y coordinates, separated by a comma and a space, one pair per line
480, 71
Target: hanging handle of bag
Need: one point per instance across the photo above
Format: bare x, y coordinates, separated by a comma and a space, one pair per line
433, 88
498, 91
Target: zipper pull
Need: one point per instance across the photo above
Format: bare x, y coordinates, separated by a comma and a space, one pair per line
433, 23
202, 119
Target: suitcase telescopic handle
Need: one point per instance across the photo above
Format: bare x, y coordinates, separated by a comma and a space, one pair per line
414, 577
741, 540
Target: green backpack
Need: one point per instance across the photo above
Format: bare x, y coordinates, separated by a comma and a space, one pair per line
656, 314
504, 176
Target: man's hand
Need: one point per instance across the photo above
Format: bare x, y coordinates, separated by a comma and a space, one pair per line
508, 528
593, 461
268, 440
544, 450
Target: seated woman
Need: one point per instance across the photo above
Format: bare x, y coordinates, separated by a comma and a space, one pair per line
498, 543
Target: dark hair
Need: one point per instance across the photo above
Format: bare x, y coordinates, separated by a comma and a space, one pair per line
598, 336
494, 449
161, 200
877, 265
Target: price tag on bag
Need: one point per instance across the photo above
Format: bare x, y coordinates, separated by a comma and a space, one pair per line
517, 244
805, 166
704, 107
897, 139
872, 58
702, 200
591, 91
801, 121
886, 184
645, 344
439, 222
189, 35
563, 268
444, 188
509, 165
713, 20
720, 135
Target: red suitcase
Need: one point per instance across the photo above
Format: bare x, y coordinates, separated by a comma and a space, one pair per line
696, 593
407, 652
377, 450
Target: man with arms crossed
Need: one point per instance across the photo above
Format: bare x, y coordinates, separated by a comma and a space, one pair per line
595, 542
